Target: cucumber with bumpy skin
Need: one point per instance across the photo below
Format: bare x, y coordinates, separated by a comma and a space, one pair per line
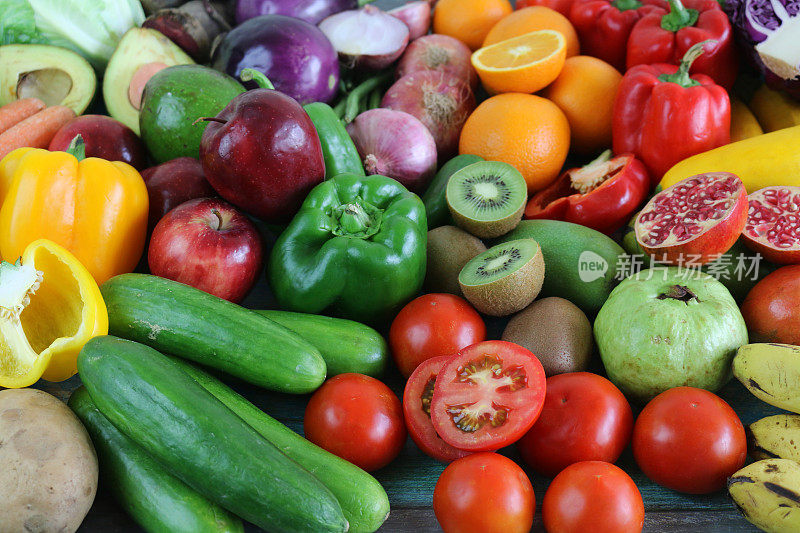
148, 397
155, 499
363, 500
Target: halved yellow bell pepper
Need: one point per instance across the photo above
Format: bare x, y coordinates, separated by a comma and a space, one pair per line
50, 306
96, 209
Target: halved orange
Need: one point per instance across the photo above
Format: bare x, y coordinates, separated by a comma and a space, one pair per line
523, 64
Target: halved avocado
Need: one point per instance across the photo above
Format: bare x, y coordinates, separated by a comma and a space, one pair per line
55, 75
139, 55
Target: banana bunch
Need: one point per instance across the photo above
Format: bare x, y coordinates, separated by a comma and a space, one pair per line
767, 493
771, 372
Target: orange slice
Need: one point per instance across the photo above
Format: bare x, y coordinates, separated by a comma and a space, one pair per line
523, 64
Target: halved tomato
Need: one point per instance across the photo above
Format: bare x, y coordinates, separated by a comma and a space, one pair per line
417, 411
487, 396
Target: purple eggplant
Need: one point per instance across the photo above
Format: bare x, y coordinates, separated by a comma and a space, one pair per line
311, 11
295, 55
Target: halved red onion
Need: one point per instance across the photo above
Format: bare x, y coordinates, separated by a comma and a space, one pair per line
368, 38
438, 53
416, 15
440, 100
395, 144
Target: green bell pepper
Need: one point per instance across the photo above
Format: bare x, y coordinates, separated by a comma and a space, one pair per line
356, 248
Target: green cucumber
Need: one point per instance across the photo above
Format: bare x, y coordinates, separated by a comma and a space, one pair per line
180, 320
155, 499
338, 149
364, 502
434, 197
147, 396
346, 345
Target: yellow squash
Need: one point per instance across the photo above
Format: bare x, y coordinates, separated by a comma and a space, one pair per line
50, 306
775, 110
761, 161
743, 123
96, 209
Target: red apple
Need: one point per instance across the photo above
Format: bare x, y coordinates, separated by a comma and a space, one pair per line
208, 244
172, 183
105, 138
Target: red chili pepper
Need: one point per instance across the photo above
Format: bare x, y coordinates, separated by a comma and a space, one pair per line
603, 26
601, 195
662, 115
665, 34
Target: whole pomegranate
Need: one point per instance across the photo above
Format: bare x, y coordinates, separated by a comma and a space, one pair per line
772, 308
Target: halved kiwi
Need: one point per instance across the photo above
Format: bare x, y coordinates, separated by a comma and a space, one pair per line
487, 198
504, 279
449, 249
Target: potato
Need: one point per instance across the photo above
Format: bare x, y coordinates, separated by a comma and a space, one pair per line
48, 466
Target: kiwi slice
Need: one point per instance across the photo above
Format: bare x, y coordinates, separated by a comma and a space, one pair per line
449, 249
487, 198
504, 279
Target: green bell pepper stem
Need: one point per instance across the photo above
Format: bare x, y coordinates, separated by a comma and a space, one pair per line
356, 96
625, 5
251, 74
679, 17
358, 219
77, 147
682, 76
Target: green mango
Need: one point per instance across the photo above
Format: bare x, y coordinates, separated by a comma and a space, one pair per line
173, 99
581, 265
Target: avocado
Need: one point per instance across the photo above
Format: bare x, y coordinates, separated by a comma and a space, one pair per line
172, 102
54, 75
140, 53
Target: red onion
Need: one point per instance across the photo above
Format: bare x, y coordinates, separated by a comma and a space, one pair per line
367, 38
439, 100
395, 144
416, 15
438, 52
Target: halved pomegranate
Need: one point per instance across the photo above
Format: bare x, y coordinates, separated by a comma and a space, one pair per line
694, 221
773, 224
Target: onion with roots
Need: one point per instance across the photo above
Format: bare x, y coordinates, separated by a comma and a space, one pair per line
416, 15
395, 144
439, 100
438, 53
366, 39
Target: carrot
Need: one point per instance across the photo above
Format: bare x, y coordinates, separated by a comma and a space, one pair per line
19, 110
35, 131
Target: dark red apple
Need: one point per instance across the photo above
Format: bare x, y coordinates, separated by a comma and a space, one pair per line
105, 138
172, 183
262, 154
208, 244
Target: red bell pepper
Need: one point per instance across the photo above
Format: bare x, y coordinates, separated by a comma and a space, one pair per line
665, 34
562, 6
601, 195
663, 115
603, 26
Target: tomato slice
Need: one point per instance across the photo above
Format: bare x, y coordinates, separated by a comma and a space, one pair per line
487, 396
417, 411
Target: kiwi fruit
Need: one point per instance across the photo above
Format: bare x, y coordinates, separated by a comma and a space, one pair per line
449, 249
556, 331
505, 278
487, 198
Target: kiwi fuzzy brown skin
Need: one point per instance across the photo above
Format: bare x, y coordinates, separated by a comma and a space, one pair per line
489, 230
510, 293
556, 331
449, 249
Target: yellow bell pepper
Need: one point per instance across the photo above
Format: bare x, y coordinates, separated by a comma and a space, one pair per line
96, 209
743, 123
775, 110
760, 161
50, 306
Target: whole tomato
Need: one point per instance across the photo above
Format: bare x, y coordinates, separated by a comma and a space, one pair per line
689, 440
584, 418
484, 493
593, 496
772, 307
431, 326
357, 418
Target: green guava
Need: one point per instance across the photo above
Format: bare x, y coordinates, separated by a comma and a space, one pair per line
669, 327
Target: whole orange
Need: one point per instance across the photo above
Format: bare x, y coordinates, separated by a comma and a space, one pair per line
530, 19
524, 130
585, 92
468, 20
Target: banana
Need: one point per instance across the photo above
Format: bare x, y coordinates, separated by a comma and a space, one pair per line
771, 372
768, 494
775, 436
